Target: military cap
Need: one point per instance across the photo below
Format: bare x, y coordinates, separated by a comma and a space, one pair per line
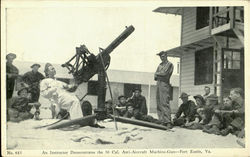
183, 95
199, 97
121, 96
137, 88
35, 65
23, 87
46, 68
12, 55
161, 53
212, 97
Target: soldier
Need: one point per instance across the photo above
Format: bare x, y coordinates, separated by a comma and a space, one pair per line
188, 108
220, 119
139, 103
207, 92
200, 104
238, 113
11, 74
212, 104
56, 92
20, 106
122, 106
162, 76
33, 78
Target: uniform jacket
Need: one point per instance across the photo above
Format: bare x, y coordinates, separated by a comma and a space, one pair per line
139, 104
32, 78
164, 72
20, 104
188, 109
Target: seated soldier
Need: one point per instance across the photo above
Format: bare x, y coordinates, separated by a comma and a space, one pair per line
200, 117
109, 107
131, 114
220, 119
139, 103
20, 107
237, 125
200, 101
121, 108
188, 108
212, 104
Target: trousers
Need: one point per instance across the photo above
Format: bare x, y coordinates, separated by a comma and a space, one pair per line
162, 98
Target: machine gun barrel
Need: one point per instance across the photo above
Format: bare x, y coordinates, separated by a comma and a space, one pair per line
118, 40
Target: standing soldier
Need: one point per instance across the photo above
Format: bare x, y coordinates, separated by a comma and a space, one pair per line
11, 74
162, 76
33, 78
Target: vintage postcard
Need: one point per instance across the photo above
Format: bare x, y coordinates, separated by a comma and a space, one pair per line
124, 78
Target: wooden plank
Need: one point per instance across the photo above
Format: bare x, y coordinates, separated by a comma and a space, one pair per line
84, 121
139, 122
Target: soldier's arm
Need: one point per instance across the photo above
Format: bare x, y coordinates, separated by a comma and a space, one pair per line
46, 90
167, 70
179, 112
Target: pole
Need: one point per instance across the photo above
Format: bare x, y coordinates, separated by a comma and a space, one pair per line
109, 90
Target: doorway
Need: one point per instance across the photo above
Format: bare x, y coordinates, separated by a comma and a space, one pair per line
232, 70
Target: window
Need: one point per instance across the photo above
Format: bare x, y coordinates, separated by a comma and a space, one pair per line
128, 89
178, 67
202, 17
231, 60
93, 87
204, 66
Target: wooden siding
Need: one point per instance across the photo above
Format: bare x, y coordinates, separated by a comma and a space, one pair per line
189, 32
187, 75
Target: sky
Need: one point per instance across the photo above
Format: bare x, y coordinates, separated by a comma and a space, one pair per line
52, 34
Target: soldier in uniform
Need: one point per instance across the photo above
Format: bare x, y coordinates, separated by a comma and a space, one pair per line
207, 92
121, 108
139, 103
20, 106
188, 108
33, 78
11, 74
238, 113
162, 76
220, 119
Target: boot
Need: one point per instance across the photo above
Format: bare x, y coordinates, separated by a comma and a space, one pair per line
195, 126
206, 128
169, 126
225, 131
213, 130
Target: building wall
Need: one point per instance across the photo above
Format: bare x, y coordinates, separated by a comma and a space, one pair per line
189, 32
118, 89
187, 76
173, 103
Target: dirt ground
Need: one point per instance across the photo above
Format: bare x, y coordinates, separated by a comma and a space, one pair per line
23, 136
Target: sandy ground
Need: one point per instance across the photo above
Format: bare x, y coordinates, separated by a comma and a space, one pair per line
23, 136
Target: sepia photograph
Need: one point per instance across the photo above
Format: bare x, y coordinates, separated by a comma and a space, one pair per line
124, 78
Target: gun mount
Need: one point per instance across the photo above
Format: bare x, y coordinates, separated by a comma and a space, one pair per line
86, 64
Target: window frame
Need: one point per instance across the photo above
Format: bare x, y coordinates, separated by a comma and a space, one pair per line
196, 53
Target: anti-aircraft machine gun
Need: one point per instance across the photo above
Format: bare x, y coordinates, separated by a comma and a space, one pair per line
83, 66
86, 65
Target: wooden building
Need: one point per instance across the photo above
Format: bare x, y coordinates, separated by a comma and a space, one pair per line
212, 48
